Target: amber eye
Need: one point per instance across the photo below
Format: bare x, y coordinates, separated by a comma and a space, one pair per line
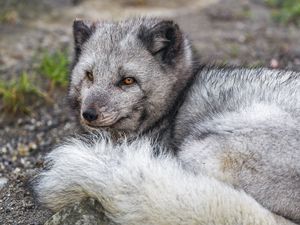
89, 75
128, 81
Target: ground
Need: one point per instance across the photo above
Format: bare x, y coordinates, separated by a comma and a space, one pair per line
240, 33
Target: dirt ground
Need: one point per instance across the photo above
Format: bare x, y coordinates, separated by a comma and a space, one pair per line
230, 32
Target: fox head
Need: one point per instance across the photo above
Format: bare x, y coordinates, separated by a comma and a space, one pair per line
127, 75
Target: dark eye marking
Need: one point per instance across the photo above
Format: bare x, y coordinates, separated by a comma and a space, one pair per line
89, 75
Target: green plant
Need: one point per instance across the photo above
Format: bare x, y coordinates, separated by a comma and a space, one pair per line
16, 94
285, 11
55, 67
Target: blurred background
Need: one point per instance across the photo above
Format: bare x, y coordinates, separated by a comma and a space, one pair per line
36, 49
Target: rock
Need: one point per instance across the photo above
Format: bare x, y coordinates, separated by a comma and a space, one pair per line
274, 64
3, 182
23, 150
88, 212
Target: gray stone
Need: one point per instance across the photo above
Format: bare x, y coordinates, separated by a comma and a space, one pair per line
3, 182
88, 212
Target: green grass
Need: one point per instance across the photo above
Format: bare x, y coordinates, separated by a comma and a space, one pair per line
285, 11
55, 67
21, 94
16, 95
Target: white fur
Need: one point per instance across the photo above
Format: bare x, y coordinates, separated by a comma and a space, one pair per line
136, 187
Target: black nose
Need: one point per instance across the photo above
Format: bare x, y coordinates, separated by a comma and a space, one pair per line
90, 115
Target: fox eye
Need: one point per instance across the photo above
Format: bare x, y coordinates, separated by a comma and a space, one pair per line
89, 76
128, 81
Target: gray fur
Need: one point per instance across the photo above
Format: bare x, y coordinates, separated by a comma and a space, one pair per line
242, 126
135, 187
228, 129
117, 50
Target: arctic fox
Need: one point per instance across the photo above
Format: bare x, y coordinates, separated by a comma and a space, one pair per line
196, 145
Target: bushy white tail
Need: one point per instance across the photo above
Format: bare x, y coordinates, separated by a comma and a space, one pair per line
136, 187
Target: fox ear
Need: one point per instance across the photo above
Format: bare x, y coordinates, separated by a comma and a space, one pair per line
164, 40
81, 31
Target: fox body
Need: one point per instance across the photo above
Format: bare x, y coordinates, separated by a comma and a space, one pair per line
226, 140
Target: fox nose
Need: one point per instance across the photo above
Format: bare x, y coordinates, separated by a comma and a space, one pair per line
90, 115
